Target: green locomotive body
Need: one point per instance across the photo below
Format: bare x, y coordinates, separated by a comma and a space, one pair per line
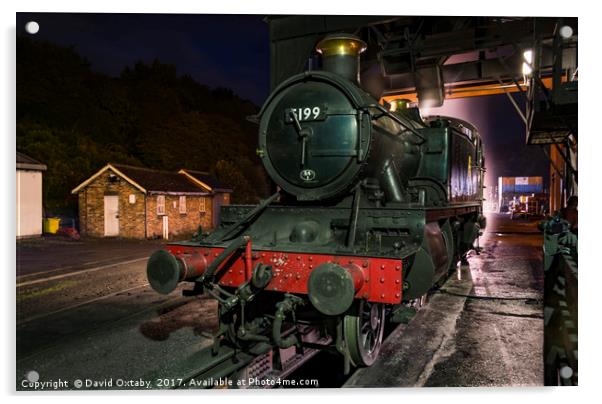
375, 206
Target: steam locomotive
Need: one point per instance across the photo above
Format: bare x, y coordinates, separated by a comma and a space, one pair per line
375, 206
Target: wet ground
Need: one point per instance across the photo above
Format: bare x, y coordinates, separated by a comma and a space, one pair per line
93, 316
485, 326
88, 313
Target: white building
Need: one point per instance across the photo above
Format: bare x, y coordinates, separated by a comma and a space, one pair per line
29, 196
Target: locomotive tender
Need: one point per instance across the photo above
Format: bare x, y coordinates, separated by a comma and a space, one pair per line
375, 206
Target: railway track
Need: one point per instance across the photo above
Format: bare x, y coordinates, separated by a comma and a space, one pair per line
166, 305
265, 367
68, 271
42, 295
59, 306
254, 368
80, 304
299, 368
53, 327
324, 368
309, 367
174, 334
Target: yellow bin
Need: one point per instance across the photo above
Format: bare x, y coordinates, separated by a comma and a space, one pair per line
51, 224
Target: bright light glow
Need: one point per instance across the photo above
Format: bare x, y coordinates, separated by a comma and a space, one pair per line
566, 32
428, 103
32, 27
528, 56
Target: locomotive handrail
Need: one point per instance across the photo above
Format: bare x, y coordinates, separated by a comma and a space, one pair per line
396, 119
258, 209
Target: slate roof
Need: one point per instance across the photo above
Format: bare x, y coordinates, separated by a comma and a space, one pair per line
207, 179
24, 162
159, 181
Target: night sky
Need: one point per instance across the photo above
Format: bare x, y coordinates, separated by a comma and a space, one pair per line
217, 50
232, 51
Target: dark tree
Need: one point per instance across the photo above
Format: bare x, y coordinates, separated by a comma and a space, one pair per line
76, 120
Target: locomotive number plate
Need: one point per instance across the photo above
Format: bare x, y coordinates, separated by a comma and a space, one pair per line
311, 113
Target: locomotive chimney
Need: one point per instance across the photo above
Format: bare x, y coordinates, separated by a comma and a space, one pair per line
341, 55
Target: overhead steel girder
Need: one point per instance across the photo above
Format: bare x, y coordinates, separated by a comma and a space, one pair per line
287, 27
466, 40
483, 70
399, 44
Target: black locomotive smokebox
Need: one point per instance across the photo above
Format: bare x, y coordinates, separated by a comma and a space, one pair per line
330, 289
163, 272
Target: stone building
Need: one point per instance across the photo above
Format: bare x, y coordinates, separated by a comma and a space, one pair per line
141, 203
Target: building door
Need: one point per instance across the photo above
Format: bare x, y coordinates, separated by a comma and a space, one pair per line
111, 215
166, 227
217, 205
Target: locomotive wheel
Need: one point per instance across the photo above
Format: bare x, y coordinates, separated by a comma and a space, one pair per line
450, 245
363, 332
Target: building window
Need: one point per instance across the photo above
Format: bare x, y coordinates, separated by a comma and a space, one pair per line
132, 199
160, 204
202, 204
182, 204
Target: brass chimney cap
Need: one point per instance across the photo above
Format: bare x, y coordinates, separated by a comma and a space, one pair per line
341, 44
